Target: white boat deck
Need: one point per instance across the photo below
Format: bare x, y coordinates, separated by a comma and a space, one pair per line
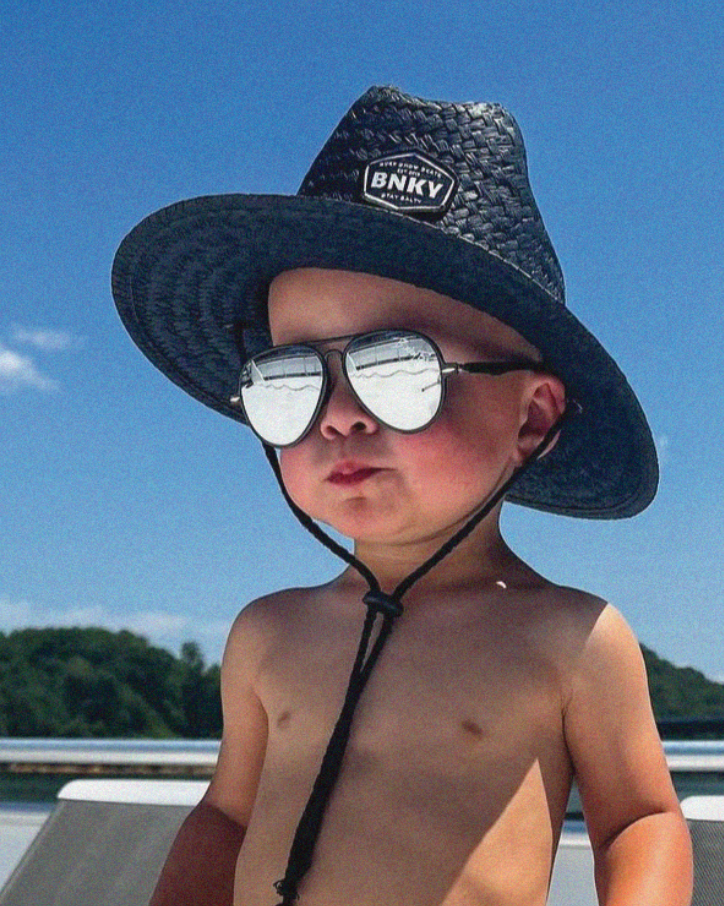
572, 877
19, 825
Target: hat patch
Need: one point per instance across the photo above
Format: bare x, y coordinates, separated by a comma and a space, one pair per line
408, 183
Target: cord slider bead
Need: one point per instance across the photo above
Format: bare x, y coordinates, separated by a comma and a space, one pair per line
382, 603
286, 890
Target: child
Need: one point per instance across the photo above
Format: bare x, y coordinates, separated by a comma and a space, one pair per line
402, 340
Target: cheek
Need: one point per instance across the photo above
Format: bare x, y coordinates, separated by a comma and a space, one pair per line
438, 473
466, 450
295, 471
303, 477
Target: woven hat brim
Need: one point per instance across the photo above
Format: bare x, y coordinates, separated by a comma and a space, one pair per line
188, 271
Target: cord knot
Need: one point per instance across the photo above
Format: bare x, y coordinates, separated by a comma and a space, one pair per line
381, 603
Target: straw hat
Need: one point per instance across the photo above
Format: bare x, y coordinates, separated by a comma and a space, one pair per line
428, 192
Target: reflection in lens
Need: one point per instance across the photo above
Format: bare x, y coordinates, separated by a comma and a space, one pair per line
397, 378
280, 391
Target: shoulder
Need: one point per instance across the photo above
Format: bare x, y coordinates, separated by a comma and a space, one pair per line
585, 637
563, 619
252, 640
263, 616
606, 669
604, 639
590, 629
262, 613
573, 609
265, 622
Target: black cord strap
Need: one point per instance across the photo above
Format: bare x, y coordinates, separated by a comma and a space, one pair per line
390, 608
305, 837
480, 514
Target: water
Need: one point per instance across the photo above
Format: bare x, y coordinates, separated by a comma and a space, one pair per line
34, 770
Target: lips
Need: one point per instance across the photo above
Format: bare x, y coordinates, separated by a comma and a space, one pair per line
351, 473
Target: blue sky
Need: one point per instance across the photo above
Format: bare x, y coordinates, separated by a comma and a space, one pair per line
123, 502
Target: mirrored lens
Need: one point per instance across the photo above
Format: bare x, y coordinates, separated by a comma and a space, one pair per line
397, 377
281, 390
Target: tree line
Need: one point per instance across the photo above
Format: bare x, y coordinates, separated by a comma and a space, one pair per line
95, 683
686, 703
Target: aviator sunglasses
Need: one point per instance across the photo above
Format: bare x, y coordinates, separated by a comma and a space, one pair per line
397, 376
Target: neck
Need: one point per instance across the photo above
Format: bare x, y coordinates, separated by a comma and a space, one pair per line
481, 557
452, 539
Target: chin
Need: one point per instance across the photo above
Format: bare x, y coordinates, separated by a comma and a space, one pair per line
359, 521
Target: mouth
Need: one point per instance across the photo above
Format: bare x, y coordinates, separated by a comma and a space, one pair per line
350, 473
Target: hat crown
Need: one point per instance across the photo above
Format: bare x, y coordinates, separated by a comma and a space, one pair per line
478, 144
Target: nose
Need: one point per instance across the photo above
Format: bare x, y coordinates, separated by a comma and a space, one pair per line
342, 414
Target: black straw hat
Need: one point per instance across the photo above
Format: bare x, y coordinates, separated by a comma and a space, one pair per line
428, 192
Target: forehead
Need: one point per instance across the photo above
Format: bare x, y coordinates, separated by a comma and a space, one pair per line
311, 304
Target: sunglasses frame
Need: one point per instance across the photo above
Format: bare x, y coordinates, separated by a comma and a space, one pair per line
447, 369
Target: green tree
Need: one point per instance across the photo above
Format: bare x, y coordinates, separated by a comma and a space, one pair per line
92, 682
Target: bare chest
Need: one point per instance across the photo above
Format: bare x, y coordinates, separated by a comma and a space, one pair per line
461, 692
456, 751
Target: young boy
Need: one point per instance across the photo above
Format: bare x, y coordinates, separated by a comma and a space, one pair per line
402, 340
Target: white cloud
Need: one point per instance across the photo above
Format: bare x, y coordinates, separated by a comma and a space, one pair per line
19, 371
46, 340
19, 614
167, 630
148, 623
14, 614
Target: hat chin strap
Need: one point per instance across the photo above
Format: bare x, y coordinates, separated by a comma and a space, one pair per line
388, 607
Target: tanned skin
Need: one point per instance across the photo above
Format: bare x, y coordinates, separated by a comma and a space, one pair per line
496, 688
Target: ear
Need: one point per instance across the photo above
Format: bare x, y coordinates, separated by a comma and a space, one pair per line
542, 404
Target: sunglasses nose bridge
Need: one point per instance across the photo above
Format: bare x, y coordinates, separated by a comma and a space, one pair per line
330, 352
334, 373
342, 411
339, 353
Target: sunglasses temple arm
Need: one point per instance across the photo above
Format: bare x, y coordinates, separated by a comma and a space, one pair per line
496, 368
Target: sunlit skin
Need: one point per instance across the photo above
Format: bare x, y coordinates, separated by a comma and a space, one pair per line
429, 482
496, 686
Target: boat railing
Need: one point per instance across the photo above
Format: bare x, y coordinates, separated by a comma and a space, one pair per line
199, 756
